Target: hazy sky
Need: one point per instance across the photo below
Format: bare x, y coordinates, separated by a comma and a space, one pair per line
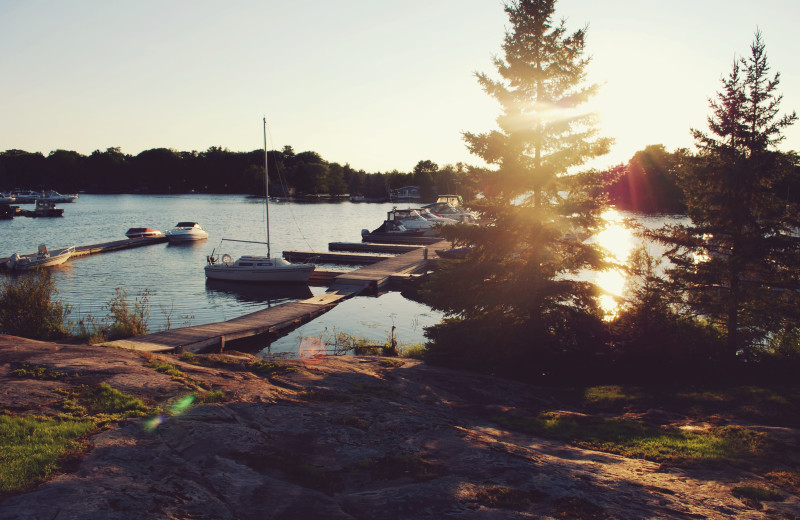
380, 85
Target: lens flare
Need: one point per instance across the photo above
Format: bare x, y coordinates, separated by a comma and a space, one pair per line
177, 408
311, 351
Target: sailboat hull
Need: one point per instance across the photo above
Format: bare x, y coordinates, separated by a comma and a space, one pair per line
275, 274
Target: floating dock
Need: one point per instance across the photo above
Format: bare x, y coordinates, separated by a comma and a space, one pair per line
274, 320
373, 278
333, 258
107, 247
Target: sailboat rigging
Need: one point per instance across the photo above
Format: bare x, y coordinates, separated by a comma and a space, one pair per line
257, 268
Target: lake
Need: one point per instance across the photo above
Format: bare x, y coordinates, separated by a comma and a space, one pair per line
179, 294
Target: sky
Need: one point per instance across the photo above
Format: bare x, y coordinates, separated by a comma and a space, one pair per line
378, 85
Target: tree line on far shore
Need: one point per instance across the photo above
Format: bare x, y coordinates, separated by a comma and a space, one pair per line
218, 170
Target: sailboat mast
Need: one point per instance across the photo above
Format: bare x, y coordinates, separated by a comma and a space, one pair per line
266, 184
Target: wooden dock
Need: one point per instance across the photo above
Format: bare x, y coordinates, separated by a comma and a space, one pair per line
274, 320
370, 247
107, 247
373, 278
333, 258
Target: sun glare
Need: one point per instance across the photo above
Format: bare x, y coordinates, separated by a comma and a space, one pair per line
617, 239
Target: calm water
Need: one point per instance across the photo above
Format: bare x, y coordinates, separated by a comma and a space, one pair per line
174, 273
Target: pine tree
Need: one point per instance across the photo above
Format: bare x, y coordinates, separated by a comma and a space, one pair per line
741, 227
517, 302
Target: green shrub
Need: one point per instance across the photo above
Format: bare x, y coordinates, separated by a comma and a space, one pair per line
27, 307
127, 321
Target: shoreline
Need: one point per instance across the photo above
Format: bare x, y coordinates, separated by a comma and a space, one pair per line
348, 437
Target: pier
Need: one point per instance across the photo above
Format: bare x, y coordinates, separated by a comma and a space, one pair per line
107, 247
274, 320
283, 318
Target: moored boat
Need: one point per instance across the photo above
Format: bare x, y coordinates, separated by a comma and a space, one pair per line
186, 232
256, 268
143, 232
43, 258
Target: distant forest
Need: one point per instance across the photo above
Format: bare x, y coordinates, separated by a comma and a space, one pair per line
218, 170
649, 182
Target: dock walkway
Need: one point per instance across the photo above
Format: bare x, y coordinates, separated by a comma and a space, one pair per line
280, 318
375, 277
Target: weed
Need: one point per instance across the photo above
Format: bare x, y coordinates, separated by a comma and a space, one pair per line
757, 493
790, 481
36, 372
165, 368
127, 321
612, 396
27, 307
103, 403
266, 368
392, 363
31, 447
416, 351
637, 439
214, 396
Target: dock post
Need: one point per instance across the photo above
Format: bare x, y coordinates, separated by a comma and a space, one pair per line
425, 254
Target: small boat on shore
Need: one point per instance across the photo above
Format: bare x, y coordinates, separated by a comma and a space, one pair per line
186, 232
42, 258
143, 232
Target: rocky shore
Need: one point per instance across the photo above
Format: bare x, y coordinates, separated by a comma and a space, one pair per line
339, 438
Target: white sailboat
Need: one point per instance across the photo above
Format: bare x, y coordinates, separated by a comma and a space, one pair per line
257, 268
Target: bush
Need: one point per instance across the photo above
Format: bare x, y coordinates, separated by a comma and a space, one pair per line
28, 309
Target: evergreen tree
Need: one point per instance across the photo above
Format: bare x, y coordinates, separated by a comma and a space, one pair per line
741, 229
518, 304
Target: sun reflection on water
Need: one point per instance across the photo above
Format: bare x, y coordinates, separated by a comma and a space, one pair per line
617, 239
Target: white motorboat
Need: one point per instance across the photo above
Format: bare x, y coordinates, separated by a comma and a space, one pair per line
26, 196
43, 258
415, 219
265, 269
54, 196
186, 232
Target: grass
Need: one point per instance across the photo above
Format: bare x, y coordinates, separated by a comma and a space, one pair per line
163, 367
103, 403
37, 372
32, 447
638, 439
752, 496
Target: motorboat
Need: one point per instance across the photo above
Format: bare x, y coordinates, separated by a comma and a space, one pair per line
47, 209
257, 268
143, 232
42, 258
7, 198
415, 219
186, 232
393, 232
447, 209
26, 196
54, 196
